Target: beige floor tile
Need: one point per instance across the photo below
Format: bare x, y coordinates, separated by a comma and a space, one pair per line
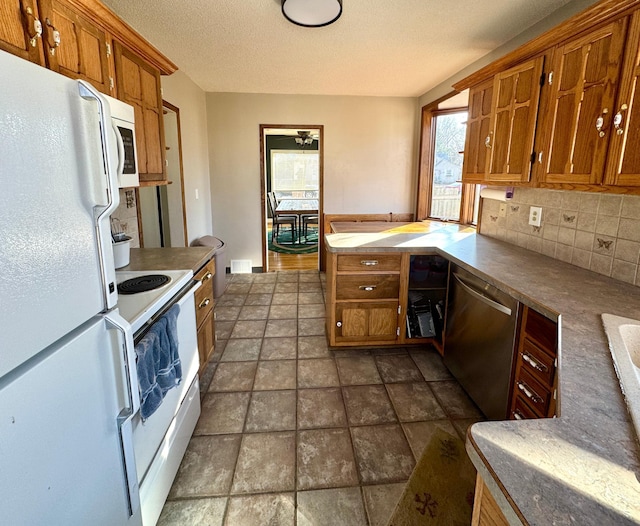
368, 404
312, 286
454, 400
283, 312
360, 370
222, 413
463, 425
258, 299
207, 467
248, 329
382, 454
265, 277
279, 348
286, 298
310, 276
313, 347
228, 299
311, 327
224, 313
238, 288
398, 369
223, 329
233, 376
334, 507
380, 501
275, 374
325, 459
274, 509
288, 277
320, 372
308, 298
271, 411
241, 350
280, 328
283, 287
414, 402
419, 433
430, 364
266, 463
261, 288
203, 512
254, 312
321, 408
312, 311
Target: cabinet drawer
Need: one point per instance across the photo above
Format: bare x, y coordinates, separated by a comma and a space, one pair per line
369, 262
535, 394
538, 363
543, 330
521, 410
374, 286
204, 295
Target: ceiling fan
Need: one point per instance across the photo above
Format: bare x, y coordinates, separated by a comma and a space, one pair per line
304, 137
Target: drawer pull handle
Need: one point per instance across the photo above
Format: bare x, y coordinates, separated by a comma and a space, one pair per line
368, 288
204, 303
518, 415
206, 277
530, 393
534, 363
369, 262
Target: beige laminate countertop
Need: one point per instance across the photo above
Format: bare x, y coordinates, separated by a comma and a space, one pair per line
188, 258
582, 468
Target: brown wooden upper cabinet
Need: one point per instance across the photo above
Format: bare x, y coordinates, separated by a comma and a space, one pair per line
139, 85
578, 123
623, 166
514, 110
21, 29
478, 120
74, 46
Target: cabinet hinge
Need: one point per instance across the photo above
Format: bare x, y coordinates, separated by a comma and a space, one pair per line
399, 309
108, 50
110, 82
398, 331
550, 78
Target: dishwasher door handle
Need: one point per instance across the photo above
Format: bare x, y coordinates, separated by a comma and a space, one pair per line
481, 297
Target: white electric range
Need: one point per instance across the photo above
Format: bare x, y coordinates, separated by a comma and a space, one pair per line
140, 307
160, 441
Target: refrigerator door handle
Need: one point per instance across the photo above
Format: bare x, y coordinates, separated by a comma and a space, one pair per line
481, 297
125, 425
102, 213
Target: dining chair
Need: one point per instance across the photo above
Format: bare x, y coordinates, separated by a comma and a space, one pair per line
280, 219
306, 220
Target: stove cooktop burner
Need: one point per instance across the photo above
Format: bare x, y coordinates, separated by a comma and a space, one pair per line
143, 283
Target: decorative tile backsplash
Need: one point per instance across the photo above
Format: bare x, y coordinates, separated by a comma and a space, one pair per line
597, 232
127, 215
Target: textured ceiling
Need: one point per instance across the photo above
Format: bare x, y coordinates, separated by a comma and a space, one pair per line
381, 48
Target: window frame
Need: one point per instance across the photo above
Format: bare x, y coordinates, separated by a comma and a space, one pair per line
426, 165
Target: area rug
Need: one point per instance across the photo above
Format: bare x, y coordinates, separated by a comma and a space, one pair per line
283, 244
440, 489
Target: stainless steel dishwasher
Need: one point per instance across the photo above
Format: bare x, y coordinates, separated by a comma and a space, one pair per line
479, 340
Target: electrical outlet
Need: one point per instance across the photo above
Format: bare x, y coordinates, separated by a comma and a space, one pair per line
503, 210
535, 215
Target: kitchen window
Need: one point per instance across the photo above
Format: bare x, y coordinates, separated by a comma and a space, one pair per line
441, 193
295, 173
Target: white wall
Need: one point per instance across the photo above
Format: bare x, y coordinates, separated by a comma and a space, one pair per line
181, 91
369, 157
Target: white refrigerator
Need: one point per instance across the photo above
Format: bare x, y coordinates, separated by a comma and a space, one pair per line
66, 399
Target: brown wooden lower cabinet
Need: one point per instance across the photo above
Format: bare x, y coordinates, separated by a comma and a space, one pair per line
486, 511
366, 322
205, 316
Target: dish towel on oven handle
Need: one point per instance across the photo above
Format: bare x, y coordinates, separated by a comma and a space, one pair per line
158, 362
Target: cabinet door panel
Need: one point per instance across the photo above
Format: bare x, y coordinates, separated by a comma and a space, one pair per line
623, 166
17, 19
585, 76
516, 94
366, 322
475, 150
82, 52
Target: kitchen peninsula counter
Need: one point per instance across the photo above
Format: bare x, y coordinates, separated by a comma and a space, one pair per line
584, 466
193, 258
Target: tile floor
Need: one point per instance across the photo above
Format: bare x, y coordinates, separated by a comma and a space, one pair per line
292, 433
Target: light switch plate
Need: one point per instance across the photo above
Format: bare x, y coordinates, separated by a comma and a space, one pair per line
535, 215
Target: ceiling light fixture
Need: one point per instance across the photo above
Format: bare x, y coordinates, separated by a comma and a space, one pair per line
312, 13
303, 138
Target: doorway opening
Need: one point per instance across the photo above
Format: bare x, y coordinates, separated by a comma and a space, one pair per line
162, 220
291, 181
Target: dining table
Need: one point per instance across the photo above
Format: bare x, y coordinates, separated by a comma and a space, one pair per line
299, 207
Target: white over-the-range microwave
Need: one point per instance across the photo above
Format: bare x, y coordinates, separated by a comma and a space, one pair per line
123, 119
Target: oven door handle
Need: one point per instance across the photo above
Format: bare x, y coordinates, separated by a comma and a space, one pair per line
125, 418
